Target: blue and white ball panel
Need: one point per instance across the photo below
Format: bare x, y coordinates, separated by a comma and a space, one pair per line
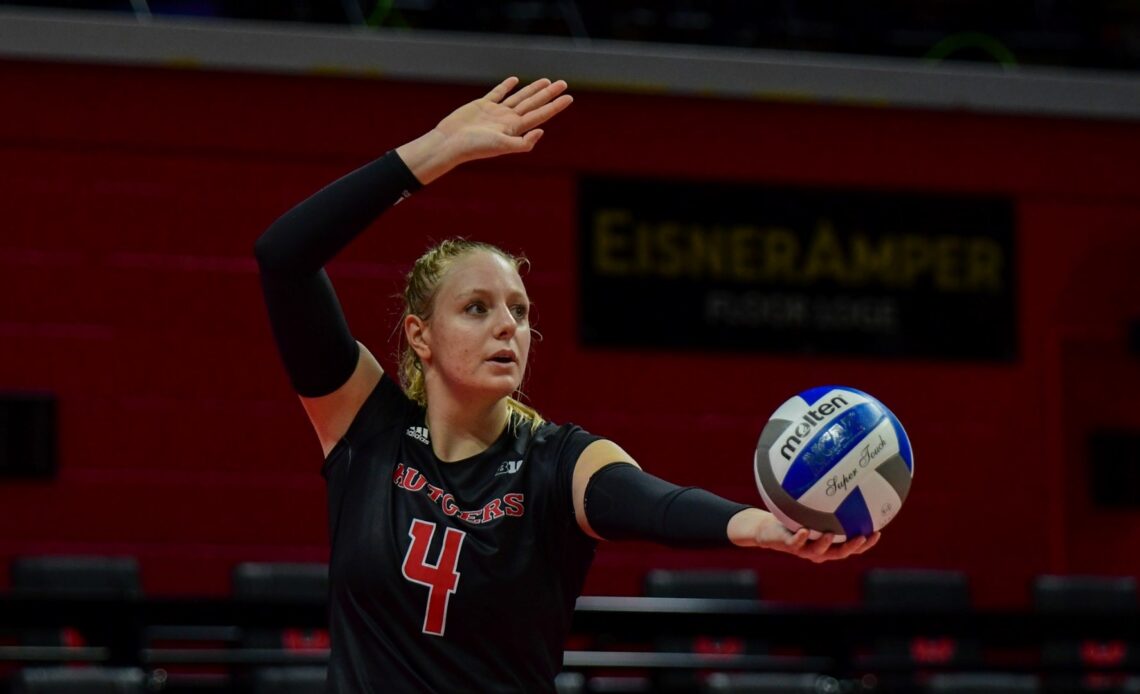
904, 440
835, 460
795, 411
834, 491
830, 443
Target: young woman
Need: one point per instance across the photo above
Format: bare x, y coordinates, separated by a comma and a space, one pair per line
462, 524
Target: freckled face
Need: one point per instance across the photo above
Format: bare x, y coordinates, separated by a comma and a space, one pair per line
479, 332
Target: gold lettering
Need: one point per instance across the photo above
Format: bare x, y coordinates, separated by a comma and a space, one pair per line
781, 250
947, 268
915, 260
984, 261
671, 261
643, 236
871, 265
825, 255
627, 246
743, 253
708, 251
611, 240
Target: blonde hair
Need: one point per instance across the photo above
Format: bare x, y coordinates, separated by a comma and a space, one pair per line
419, 300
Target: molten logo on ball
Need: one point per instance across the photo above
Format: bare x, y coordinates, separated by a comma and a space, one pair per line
811, 418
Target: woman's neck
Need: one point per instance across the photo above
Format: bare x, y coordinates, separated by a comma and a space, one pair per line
459, 431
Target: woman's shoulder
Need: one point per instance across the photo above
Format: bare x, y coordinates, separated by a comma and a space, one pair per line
386, 406
554, 439
386, 409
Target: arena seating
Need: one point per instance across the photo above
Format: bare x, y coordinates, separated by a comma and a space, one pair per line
916, 589
692, 631
76, 576
303, 679
300, 583
86, 680
769, 683
73, 577
292, 582
739, 584
306, 582
904, 661
1087, 662
982, 683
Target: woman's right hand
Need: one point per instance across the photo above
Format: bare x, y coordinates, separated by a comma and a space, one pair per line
755, 527
498, 123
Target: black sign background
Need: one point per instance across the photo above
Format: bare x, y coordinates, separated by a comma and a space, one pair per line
717, 266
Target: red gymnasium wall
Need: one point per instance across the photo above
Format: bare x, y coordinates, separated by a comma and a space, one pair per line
131, 198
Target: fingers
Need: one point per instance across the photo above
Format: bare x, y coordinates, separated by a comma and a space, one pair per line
526, 92
852, 546
531, 138
819, 549
514, 145
541, 115
541, 96
532, 105
529, 98
498, 93
796, 541
823, 549
871, 542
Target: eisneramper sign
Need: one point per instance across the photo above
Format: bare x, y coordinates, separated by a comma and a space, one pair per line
719, 266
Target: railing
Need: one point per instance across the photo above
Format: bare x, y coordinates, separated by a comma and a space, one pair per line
621, 633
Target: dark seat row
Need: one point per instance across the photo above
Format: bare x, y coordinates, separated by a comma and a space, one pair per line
306, 680
926, 657
916, 589
129, 680
895, 590
119, 577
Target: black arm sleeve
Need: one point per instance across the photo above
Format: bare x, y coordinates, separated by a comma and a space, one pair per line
622, 502
308, 324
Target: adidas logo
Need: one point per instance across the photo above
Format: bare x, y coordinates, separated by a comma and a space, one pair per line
509, 467
419, 434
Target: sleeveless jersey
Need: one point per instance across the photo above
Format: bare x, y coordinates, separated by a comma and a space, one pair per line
450, 577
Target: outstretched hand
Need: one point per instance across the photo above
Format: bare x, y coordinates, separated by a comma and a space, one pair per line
756, 528
501, 122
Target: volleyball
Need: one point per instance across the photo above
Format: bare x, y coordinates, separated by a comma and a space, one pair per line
834, 460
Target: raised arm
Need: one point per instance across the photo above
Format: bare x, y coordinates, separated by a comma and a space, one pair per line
614, 499
331, 372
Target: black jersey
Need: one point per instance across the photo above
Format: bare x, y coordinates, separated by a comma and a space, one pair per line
450, 577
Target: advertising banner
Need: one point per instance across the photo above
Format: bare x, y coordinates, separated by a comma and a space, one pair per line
721, 266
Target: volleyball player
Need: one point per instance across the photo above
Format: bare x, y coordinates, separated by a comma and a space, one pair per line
462, 524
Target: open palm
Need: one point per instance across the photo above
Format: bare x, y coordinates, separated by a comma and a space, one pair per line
502, 122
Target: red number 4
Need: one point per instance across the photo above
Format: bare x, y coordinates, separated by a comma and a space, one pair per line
441, 578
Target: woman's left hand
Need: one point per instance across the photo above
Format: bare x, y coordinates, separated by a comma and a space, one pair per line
754, 527
505, 121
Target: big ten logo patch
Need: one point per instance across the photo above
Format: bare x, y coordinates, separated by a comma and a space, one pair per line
509, 467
